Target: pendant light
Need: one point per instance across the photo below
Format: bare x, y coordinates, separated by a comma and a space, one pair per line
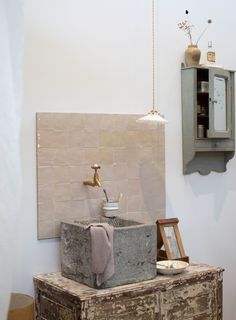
153, 115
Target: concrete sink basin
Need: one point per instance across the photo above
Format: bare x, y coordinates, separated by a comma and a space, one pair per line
134, 251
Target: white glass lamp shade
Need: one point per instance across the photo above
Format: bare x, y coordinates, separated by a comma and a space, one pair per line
153, 116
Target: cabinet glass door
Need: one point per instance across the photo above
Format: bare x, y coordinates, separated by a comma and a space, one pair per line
219, 104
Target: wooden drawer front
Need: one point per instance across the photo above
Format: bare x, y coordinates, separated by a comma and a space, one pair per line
55, 294
122, 308
54, 311
193, 302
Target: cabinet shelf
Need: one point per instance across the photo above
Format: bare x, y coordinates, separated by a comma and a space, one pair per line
203, 93
202, 116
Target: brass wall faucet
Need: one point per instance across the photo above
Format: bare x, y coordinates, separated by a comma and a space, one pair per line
96, 182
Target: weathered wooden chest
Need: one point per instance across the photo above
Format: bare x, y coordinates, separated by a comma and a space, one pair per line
194, 295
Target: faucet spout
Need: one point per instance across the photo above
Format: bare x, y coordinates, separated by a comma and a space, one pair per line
96, 181
89, 183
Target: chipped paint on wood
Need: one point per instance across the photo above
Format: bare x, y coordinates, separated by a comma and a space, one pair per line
54, 311
121, 308
193, 295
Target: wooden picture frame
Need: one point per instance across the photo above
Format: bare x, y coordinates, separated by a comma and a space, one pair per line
169, 243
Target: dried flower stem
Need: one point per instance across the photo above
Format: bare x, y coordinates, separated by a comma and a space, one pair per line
209, 21
187, 28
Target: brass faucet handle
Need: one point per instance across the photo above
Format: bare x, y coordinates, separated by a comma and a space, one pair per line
95, 182
96, 167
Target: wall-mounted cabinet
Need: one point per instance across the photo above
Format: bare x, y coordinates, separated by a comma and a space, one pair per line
207, 119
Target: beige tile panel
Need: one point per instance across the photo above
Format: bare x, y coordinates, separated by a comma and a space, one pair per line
76, 123
76, 139
120, 155
91, 124
139, 138
93, 155
60, 121
133, 171
146, 154
45, 175
44, 121
134, 188
119, 138
47, 229
46, 210
57, 227
105, 138
46, 156
93, 193
61, 174
45, 192
61, 157
105, 156
76, 156
86, 172
93, 207
76, 174
61, 210
90, 139
135, 203
77, 210
52, 139
114, 172
61, 192
131, 157
78, 191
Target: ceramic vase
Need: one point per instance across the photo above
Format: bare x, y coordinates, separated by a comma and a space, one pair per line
192, 55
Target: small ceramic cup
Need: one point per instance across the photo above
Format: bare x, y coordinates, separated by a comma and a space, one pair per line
110, 209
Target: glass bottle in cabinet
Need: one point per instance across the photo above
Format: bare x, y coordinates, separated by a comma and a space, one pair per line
207, 118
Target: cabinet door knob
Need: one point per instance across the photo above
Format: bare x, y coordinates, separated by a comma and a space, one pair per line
214, 101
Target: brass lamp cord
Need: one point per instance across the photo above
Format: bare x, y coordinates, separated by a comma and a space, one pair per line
153, 115
153, 60
154, 109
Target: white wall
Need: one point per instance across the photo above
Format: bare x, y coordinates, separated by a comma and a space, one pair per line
11, 52
94, 56
205, 205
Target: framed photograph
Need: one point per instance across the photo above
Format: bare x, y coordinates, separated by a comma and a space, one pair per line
169, 243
